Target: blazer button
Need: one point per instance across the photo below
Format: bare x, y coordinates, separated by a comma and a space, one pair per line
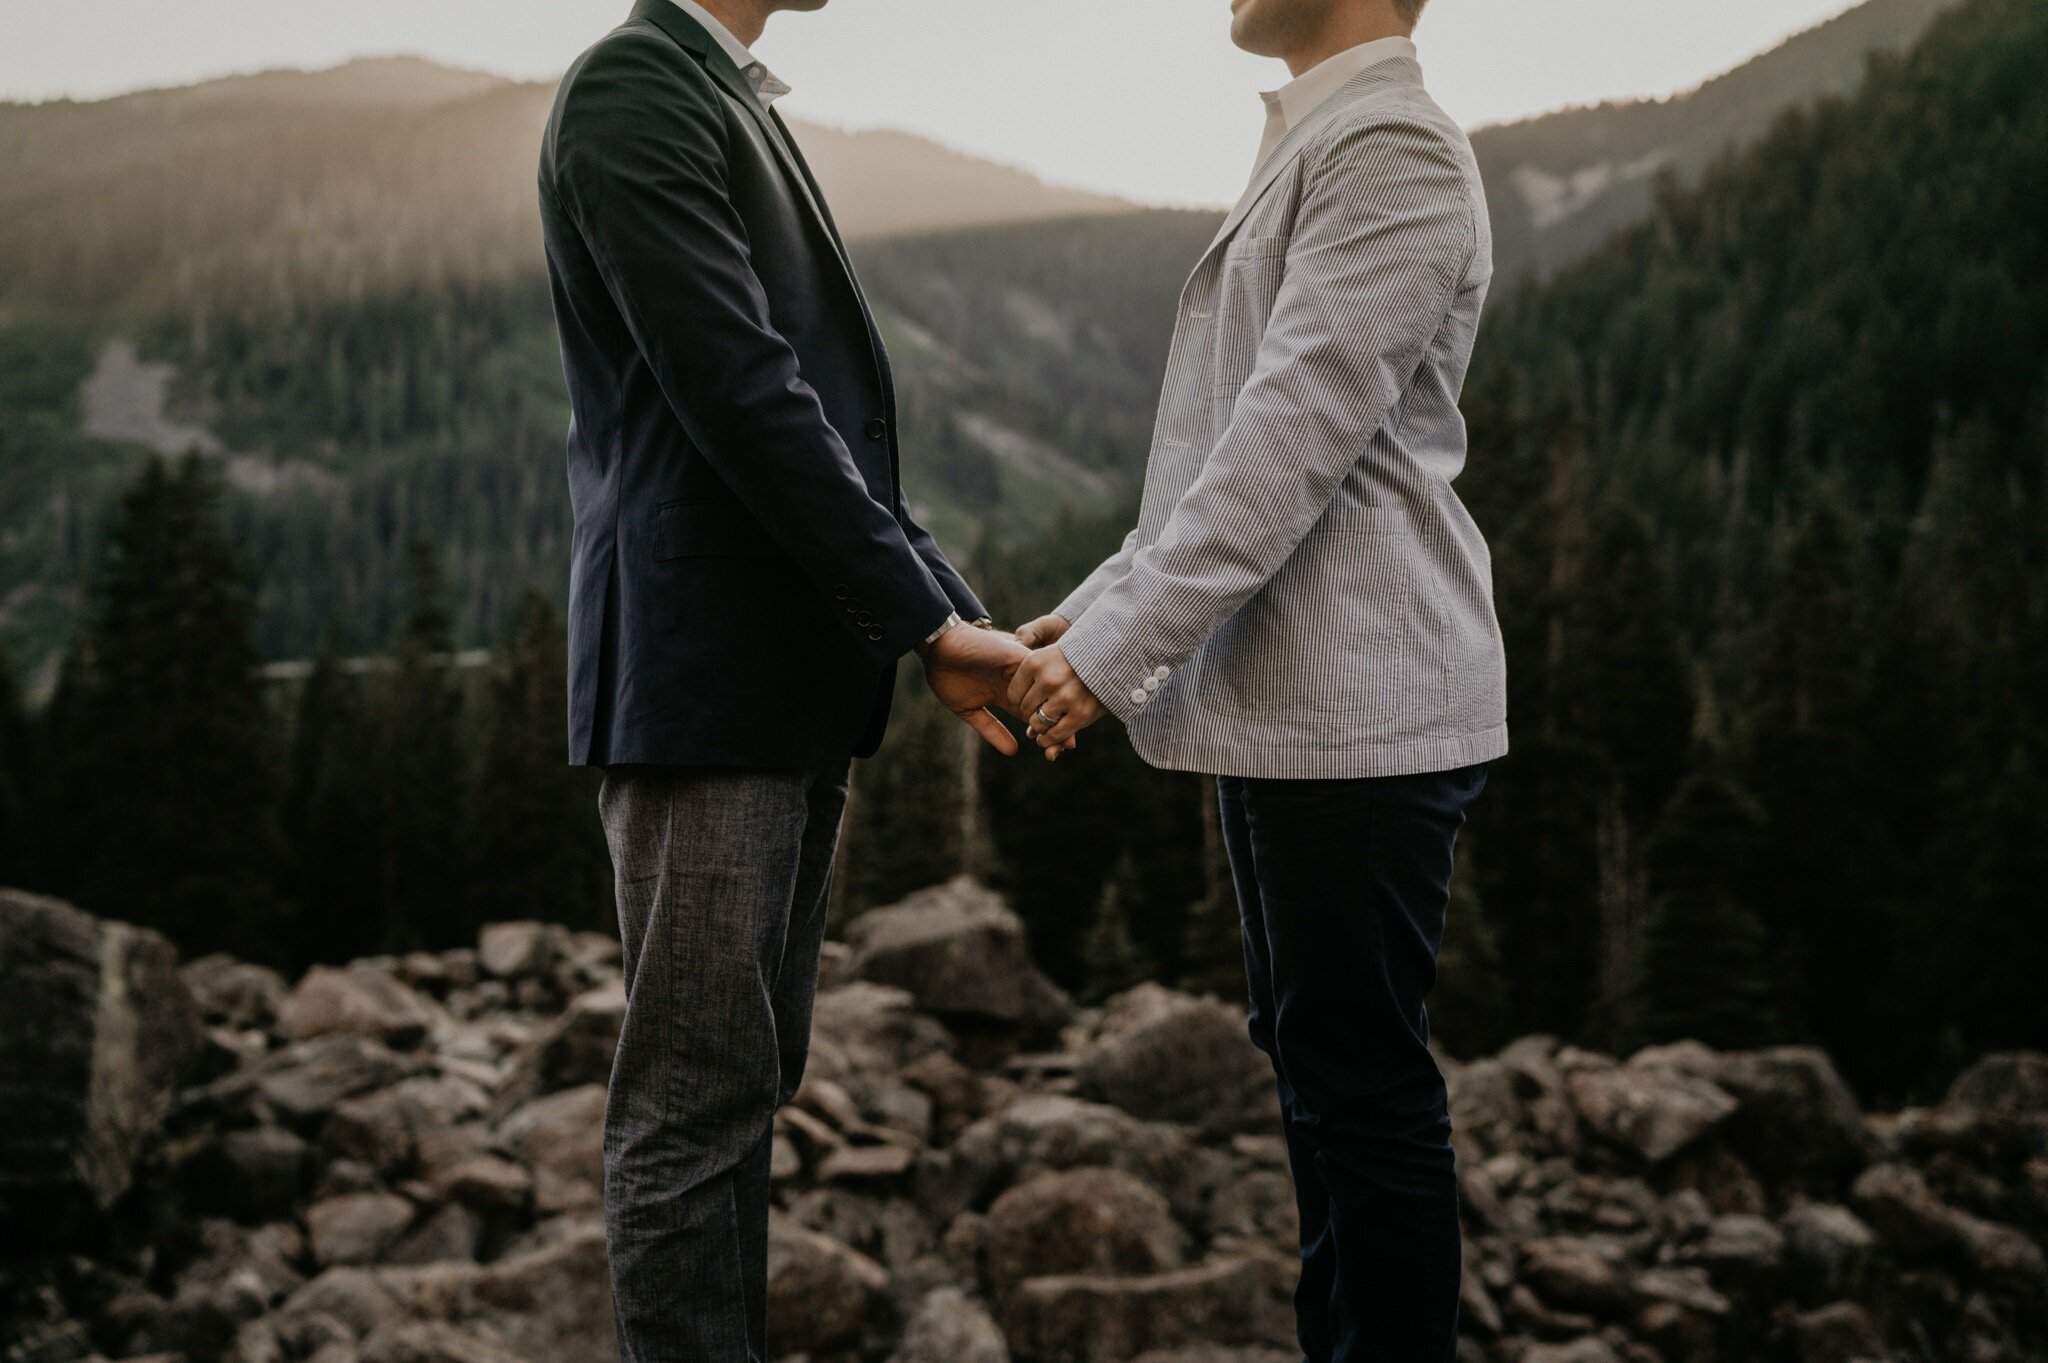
877, 428
839, 593
874, 634
1140, 696
863, 618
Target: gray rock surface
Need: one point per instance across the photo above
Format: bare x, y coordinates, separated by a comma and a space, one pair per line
403, 1163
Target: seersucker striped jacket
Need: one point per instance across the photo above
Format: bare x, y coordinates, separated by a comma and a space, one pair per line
1304, 595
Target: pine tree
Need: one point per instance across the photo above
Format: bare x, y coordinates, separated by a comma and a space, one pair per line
17, 838
422, 777
539, 850
903, 827
177, 789
1115, 960
331, 818
1705, 969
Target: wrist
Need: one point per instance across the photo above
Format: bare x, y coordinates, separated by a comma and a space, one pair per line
951, 622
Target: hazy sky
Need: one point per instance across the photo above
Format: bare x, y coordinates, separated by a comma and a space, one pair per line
1144, 98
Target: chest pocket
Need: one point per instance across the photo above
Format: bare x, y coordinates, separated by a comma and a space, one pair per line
1253, 269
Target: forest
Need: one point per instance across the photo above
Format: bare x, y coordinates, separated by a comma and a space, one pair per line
1762, 475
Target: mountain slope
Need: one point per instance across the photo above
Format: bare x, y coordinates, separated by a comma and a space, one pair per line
1559, 184
377, 174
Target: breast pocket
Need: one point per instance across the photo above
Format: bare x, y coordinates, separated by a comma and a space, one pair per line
1253, 270
1350, 626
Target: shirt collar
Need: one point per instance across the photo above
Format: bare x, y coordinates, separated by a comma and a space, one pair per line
766, 87
1298, 98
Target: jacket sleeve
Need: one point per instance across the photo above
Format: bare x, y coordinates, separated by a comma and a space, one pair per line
639, 151
949, 578
1381, 240
1098, 582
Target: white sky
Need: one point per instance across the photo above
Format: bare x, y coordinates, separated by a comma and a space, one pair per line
1144, 98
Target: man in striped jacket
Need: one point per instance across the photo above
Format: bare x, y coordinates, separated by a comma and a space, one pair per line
1305, 610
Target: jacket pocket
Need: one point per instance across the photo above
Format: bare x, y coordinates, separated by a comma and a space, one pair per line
710, 528
1350, 626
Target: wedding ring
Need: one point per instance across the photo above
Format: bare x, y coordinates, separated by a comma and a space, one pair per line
1045, 721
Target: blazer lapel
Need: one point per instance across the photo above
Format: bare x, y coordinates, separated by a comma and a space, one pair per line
1391, 71
690, 34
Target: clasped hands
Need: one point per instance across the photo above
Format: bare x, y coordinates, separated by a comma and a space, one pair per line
973, 671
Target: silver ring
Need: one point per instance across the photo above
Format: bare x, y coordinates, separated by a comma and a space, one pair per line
1045, 721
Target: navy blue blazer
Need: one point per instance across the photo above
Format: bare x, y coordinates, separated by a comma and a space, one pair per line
744, 570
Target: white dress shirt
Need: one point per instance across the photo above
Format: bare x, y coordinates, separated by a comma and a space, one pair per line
766, 87
1297, 99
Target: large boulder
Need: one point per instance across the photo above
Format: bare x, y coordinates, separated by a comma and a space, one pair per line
821, 1294
1092, 1318
948, 1326
1168, 1056
1651, 1107
358, 1000
1796, 1115
577, 1048
960, 952
97, 1031
1080, 1221
2004, 1081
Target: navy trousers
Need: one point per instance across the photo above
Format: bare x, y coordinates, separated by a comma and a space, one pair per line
1342, 886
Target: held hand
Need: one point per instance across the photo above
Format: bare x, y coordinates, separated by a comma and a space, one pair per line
1046, 629
969, 670
1045, 687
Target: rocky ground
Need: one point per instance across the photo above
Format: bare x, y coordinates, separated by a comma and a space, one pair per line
397, 1161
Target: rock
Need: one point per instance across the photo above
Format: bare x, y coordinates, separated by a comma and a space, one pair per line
1080, 1221
561, 1138
1740, 1249
452, 1232
304, 1083
255, 1174
1840, 1332
1690, 1288
97, 1030
430, 1342
519, 951
1168, 1056
875, 1028
486, 1183
1653, 1110
232, 993
387, 1128
1087, 1318
866, 1163
2004, 1081
356, 1228
948, 1326
1827, 1249
1797, 1118
1217, 1353
820, 1292
1589, 1349
550, 1304
575, 1049
1577, 1274
960, 952
357, 1000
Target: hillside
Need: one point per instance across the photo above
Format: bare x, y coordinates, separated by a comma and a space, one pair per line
373, 175
1557, 185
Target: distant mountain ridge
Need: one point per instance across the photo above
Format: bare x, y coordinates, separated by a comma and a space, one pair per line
1561, 183
379, 172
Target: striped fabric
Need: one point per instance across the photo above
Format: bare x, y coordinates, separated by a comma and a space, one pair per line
1304, 595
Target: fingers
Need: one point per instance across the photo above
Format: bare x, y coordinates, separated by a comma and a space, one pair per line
1076, 714
1020, 683
1031, 635
993, 730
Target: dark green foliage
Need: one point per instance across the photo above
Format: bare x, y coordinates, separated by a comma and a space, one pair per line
903, 828
168, 770
539, 852
1706, 963
1115, 960
331, 818
17, 775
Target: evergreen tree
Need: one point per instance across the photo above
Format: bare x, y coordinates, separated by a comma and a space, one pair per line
903, 827
1705, 965
176, 792
540, 852
331, 817
1115, 960
17, 838
423, 804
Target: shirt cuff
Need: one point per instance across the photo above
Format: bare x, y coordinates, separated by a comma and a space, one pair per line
1125, 683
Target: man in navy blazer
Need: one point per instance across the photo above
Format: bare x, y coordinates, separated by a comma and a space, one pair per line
745, 575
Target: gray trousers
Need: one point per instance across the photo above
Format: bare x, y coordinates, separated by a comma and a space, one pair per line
722, 878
